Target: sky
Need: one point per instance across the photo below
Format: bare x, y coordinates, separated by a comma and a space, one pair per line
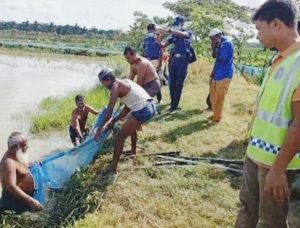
104, 14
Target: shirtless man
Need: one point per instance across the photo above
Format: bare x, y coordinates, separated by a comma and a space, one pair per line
147, 78
16, 180
137, 102
141, 67
77, 129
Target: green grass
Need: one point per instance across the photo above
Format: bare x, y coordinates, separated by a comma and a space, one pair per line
64, 44
145, 196
55, 113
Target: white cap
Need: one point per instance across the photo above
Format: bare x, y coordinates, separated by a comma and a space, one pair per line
214, 32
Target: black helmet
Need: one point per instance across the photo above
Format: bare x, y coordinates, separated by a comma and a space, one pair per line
179, 20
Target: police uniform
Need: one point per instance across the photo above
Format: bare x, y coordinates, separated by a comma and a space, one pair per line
178, 66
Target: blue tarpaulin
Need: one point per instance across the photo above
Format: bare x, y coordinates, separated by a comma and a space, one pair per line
55, 170
249, 70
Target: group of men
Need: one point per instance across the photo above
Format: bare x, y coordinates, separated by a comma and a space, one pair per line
136, 94
270, 195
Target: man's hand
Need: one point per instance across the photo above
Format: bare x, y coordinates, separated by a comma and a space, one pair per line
35, 205
82, 139
216, 44
110, 124
276, 184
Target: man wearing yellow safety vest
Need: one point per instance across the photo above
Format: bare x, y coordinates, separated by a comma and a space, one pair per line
270, 195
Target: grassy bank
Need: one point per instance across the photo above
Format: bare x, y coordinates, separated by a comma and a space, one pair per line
55, 113
145, 196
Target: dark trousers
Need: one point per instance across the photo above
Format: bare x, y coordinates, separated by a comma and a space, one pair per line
159, 96
208, 101
178, 73
259, 209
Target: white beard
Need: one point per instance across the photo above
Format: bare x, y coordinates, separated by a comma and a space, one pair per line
22, 157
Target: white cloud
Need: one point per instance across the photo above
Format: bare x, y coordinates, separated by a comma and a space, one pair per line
251, 3
116, 14
100, 13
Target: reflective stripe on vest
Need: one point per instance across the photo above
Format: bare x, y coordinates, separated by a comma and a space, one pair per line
268, 147
275, 119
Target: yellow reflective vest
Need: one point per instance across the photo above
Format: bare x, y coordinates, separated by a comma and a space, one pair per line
274, 113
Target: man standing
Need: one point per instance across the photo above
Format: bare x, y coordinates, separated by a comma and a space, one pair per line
17, 183
271, 188
77, 128
179, 60
147, 78
223, 51
137, 102
153, 52
141, 67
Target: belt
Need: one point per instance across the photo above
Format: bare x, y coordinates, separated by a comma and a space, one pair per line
153, 58
178, 55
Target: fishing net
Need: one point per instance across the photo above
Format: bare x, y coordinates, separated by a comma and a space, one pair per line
55, 170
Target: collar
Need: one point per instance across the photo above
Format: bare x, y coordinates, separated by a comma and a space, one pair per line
290, 50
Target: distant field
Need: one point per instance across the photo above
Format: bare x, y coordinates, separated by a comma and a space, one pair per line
65, 44
97, 45
255, 56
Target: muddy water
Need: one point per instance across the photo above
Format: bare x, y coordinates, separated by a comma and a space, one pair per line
24, 82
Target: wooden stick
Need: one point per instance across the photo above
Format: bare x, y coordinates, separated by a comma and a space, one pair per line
164, 163
178, 159
217, 160
175, 153
201, 163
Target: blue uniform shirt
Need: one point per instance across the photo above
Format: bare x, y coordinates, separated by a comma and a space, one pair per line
224, 67
152, 49
181, 44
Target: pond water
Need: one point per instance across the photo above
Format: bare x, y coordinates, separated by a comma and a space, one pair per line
24, 82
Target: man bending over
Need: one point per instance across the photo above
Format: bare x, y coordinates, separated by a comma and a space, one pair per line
137, 102
77, 129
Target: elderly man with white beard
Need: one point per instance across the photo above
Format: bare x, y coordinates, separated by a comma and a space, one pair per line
17, 183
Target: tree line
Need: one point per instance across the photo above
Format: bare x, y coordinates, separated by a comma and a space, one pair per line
57, 29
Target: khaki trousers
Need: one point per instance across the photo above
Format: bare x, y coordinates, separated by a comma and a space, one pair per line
259, 209
218, 91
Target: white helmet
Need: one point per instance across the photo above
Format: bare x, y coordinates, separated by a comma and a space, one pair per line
214, 32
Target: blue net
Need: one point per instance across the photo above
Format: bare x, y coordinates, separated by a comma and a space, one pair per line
249, 70
55, 170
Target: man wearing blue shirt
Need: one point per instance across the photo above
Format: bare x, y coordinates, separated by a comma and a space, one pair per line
181, 40
223, 51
